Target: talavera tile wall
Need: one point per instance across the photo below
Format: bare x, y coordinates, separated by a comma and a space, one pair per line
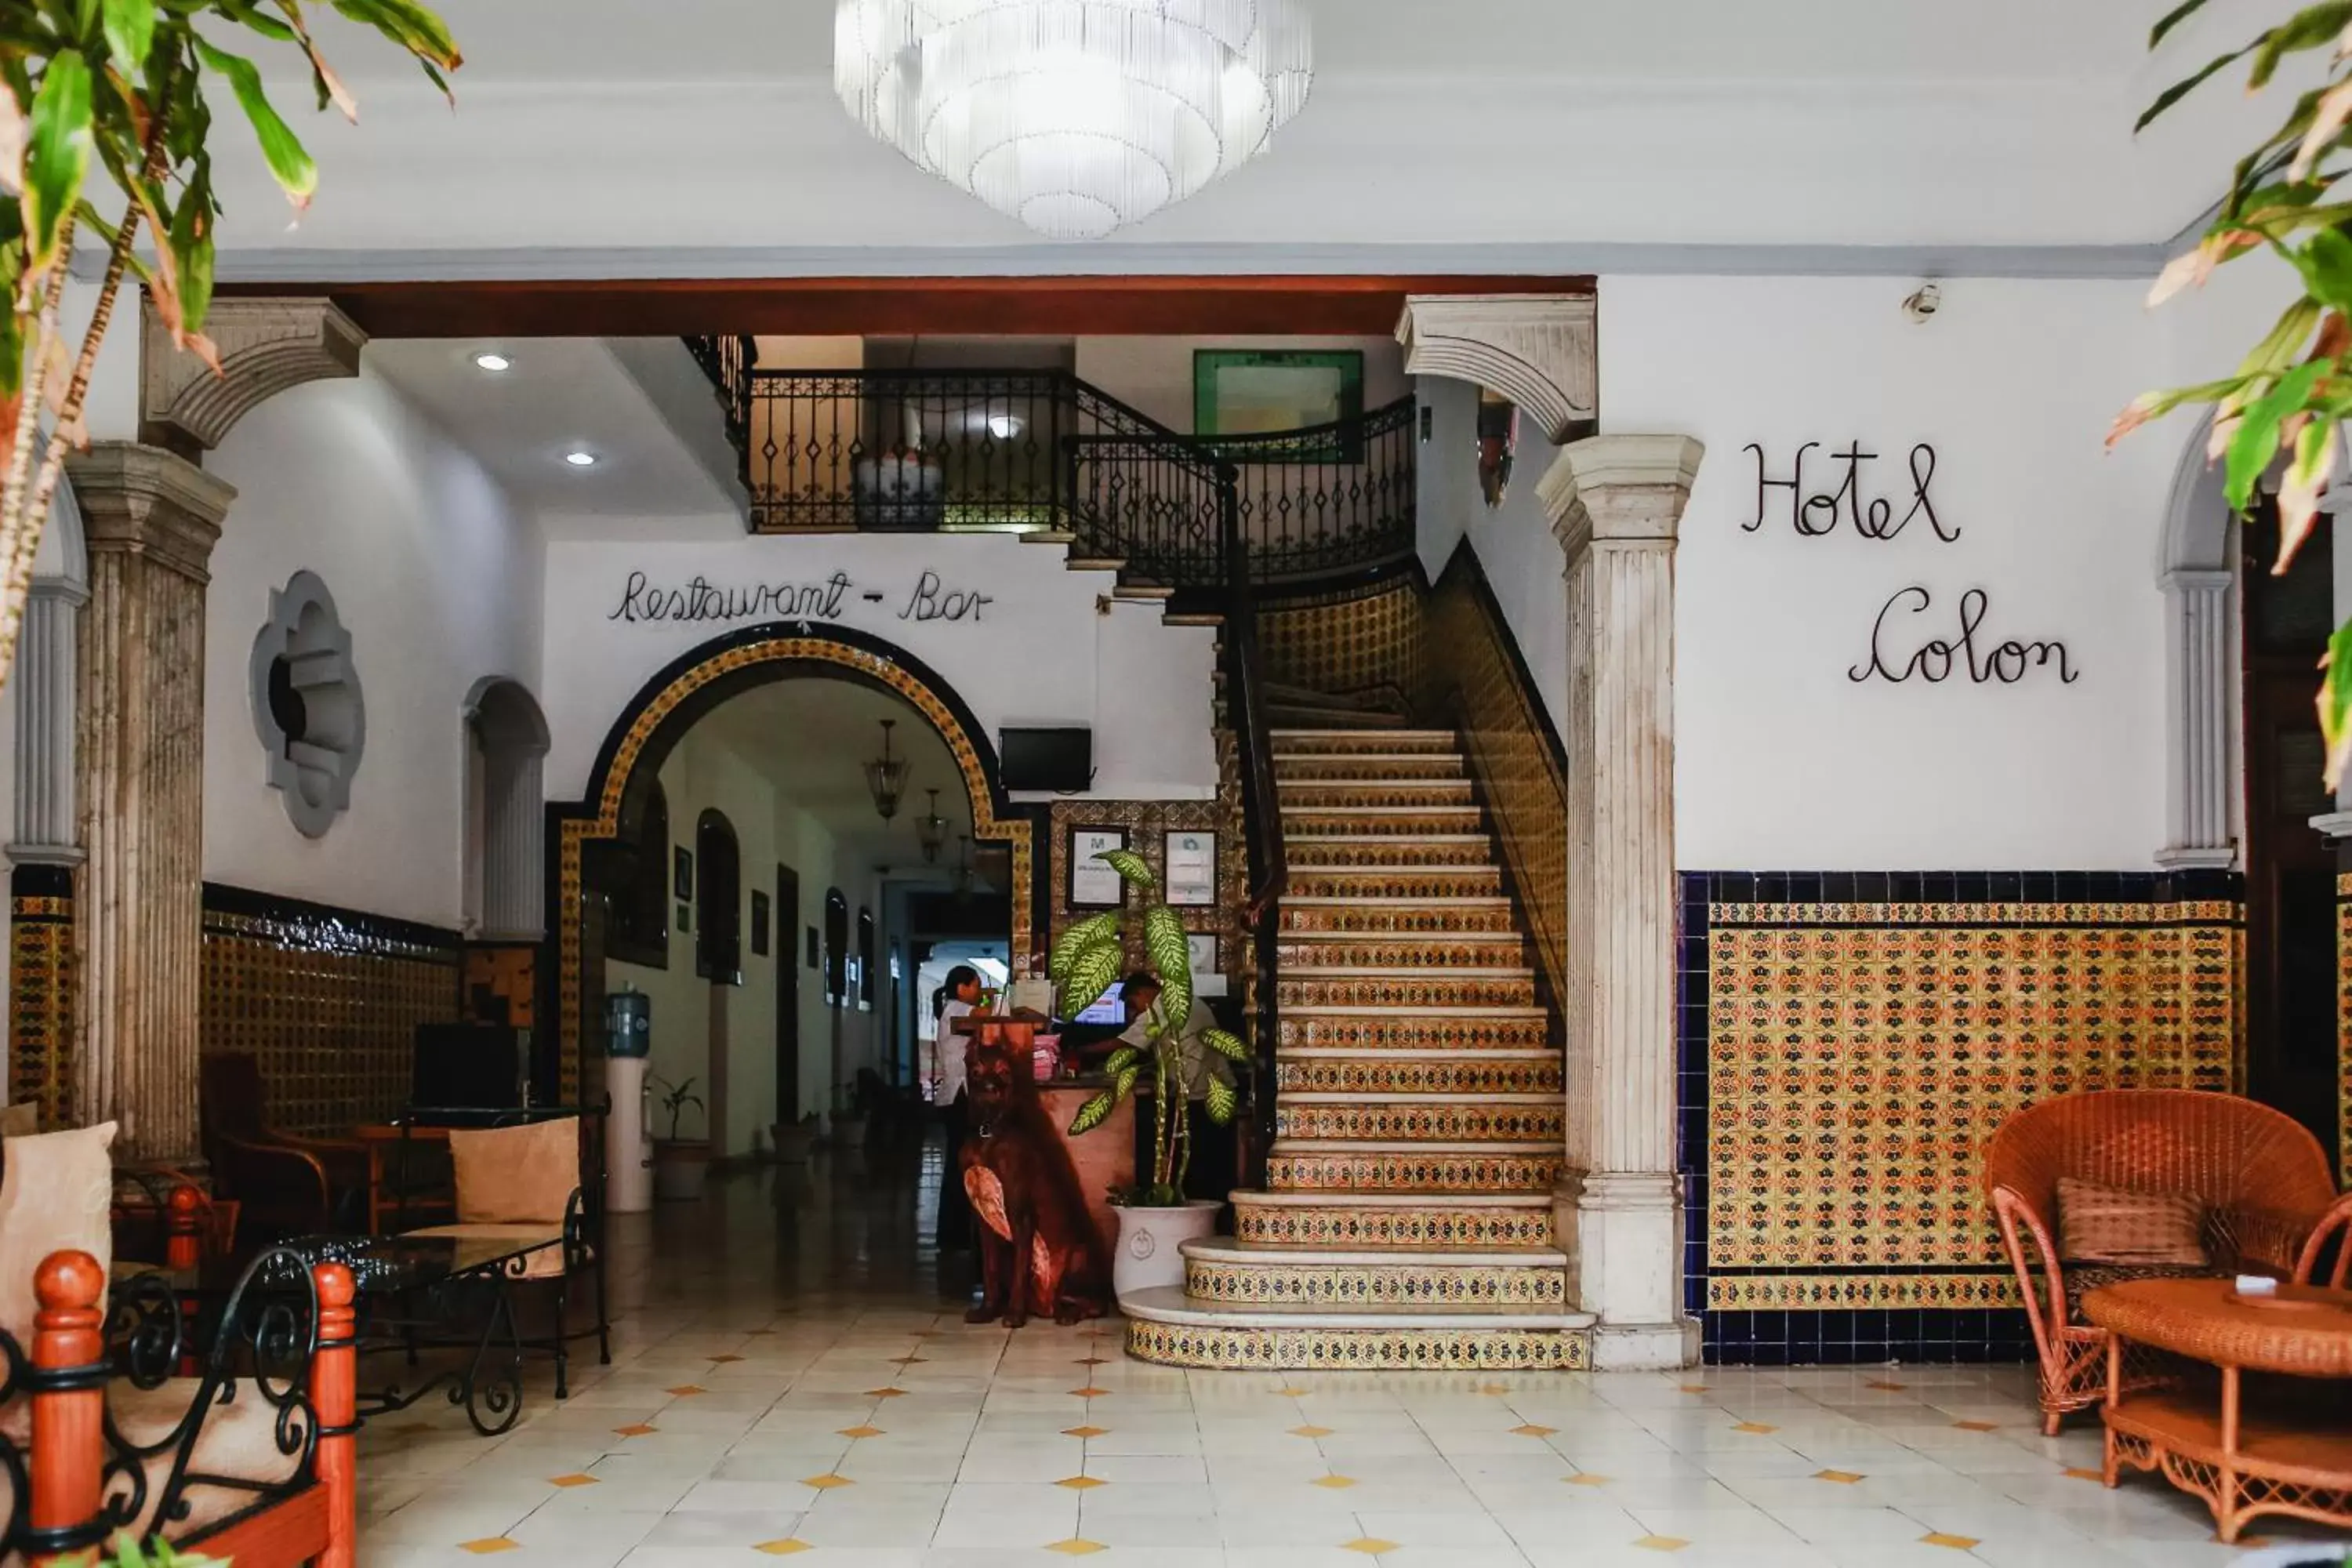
1849, 1043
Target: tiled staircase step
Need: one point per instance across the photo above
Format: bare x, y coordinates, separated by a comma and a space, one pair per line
1321, 742
1302, 987
1163, 1327
1366, 1221
1412, 1029
1472, 879
1308, 1069
1404, 950
1320, 795
1248, 1275
1311, 852
1289, 766
1396, 1171
1348, 1118
1380, 821
1371, 915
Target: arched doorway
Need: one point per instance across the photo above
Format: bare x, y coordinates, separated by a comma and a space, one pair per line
693, 687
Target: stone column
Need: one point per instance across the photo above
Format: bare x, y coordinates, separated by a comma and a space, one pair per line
1616, 502
2200, 643
150, 519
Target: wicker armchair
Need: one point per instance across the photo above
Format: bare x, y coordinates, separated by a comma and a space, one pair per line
286, 1185
2331, 1238
2261, 1173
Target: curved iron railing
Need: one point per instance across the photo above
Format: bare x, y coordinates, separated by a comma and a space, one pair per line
1330, 500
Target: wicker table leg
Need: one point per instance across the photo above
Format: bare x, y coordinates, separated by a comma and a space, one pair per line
2111, 1465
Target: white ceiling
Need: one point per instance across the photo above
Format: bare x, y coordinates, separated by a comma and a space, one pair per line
616, 137
812, 739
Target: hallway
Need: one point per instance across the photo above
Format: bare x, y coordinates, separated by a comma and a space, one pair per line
788, 1382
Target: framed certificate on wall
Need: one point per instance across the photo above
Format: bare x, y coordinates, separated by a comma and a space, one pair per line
1094, 885
1191, 877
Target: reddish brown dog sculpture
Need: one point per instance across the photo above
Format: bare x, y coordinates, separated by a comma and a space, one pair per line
1039, 1250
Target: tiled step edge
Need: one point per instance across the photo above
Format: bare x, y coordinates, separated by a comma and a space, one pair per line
1245, 1275
1165, 1328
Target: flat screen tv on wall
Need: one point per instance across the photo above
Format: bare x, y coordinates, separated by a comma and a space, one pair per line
1062, 760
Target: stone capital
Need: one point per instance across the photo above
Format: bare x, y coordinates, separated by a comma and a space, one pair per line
1626, 488
265, 347
143, 500
1538, 350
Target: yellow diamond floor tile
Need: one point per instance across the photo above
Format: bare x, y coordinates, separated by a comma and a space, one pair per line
845, 1415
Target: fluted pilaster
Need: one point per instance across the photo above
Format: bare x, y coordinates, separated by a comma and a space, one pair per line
2200, 634
151, 520
513, 870
1616, 503
45, 831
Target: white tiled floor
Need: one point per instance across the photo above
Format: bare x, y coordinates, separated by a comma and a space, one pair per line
788, 1381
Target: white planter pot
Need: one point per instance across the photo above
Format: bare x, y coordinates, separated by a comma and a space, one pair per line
1151, 1241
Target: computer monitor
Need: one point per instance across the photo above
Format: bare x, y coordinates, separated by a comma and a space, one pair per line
1104, 1010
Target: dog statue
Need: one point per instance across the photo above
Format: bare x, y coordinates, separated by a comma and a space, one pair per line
1039, 1251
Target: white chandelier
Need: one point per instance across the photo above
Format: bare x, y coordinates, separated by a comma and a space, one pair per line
1075, 117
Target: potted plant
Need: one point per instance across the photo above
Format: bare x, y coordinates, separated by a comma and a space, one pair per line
849, 1120
679, 1163
794, 1139
1155, 1218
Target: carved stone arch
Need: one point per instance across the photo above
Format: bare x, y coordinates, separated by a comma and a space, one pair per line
1538, 350
265, 347
2197, 571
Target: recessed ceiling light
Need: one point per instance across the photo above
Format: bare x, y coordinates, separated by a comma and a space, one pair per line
492, 361
581, 459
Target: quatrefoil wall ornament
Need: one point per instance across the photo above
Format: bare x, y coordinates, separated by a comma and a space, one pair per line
306, 706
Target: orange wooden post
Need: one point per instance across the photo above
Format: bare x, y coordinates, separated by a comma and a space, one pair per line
334, 1396
183, 1240
68, 1423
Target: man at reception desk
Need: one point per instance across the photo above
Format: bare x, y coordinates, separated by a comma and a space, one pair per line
1196, 1067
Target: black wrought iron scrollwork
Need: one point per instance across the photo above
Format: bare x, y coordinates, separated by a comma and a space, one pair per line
262, 1347
147, 1330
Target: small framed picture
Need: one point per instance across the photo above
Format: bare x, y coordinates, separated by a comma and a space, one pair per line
1190, 874
759, 923
815, 950
686, 917
1248, 392
681, 876
1093, 884
1201, 950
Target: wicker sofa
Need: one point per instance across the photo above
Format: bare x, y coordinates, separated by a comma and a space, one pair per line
2263, 1175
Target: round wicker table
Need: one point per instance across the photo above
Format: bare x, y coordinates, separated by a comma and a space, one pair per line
2274, 1453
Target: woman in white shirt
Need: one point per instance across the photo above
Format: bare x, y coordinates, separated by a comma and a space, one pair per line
955, 1208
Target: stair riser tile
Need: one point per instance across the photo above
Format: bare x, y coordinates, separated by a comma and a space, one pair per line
1351, 1227
1360, 1350
1401, 918
1384, 1173
1389, 743
1467, 866
1356, 1287
1334, 880
1307, 795
1324, 1075
1468, 1032
1400, 824
1469, 1123
1396, 766
1407, 991
1436, 950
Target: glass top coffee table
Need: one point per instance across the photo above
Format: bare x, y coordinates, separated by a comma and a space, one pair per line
413, 1291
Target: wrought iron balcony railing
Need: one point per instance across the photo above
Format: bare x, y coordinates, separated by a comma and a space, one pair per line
924, 450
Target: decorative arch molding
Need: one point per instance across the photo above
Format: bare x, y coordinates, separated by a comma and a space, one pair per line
2198, 575
266, 346
697, 681
1538, 350
45, 831
509, 738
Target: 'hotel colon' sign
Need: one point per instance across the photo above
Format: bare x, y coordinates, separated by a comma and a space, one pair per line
1897, 650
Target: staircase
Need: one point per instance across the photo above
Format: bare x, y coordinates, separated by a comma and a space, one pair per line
1407, 1221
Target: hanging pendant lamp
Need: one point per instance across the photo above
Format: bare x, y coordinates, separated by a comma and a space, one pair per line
1075, 117
885, 776
931, 831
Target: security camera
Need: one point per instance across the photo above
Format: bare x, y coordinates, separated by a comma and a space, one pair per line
1923, 301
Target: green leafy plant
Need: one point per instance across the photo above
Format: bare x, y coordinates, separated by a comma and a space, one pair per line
2291, 391
1088, 957
681, 1095
124, 1552
122, 85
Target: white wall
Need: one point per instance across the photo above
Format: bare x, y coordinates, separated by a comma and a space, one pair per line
1782, 761
703, 774
1039, 653
438, 584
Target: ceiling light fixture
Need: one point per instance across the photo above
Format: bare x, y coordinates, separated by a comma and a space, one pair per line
931, 831
580, 458
1076, 117
885, 776
492, 361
